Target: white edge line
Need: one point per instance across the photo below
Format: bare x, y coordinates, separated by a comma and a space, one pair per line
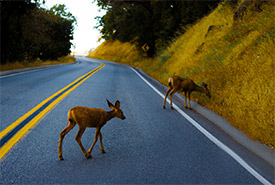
34, 70
212, 138
19, 73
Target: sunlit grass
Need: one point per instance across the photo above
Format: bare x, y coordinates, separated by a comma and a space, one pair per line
235, 59
116, 51
37, 62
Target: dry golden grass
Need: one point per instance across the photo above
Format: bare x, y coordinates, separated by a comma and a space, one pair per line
38, 62
236, 60
116, 51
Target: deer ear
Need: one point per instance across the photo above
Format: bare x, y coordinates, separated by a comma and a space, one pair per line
117, 105
110, 104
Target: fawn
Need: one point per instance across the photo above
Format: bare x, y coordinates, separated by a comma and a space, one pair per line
89, 117
185, 85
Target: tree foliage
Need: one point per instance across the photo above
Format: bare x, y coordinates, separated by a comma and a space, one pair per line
29, 32
153, 23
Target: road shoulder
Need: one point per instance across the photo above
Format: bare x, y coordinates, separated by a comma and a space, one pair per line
28, 69
261, 150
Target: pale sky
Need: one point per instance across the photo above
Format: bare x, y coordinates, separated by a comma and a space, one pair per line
85, 35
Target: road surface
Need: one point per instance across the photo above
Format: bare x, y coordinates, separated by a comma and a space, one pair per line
151, 146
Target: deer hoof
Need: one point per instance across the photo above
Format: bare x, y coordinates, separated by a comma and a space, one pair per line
163, 107
103, 151
61, 158
172, 108
88, 156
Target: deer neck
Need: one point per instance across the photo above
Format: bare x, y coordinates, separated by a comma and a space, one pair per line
110, 115
199, 89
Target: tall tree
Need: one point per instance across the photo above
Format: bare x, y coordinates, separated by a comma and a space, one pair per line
29, 32
12, 17
149, 22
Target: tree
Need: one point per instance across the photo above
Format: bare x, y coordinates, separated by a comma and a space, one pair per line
153, 23
29, 32
60, 29
11, 33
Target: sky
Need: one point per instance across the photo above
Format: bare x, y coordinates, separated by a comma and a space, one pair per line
85, 35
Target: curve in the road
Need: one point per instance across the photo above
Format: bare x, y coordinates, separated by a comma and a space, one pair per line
12, 134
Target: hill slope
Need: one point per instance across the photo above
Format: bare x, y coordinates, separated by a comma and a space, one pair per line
234, 57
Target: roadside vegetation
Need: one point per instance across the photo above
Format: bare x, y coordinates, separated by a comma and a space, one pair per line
232, 49
30, 34
37, 62
153, 23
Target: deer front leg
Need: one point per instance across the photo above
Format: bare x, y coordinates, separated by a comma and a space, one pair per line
101, 145
78, 140
166, 94
97, 131
189, 100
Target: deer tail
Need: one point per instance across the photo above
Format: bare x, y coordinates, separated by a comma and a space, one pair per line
71, 117
170, 81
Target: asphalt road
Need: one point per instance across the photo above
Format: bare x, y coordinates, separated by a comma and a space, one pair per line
151, 146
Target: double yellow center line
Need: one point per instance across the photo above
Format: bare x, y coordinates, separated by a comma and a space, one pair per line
12, 134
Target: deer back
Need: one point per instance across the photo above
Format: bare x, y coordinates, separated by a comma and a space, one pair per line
183, 84
88, 117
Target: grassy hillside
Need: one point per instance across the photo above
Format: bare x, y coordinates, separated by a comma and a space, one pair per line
235, 59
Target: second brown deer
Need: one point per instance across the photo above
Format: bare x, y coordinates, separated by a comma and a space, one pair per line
186, 85
89, 117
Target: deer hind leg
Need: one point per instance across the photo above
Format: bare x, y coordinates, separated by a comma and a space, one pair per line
101, 145
166, 94
78, 140
97, 131
70, 126
171, 94
185, 102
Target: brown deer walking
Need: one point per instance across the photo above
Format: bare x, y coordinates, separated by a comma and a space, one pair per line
186, 85
89, 117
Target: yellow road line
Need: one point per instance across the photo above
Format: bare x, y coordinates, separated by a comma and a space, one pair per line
12, 141
13, 125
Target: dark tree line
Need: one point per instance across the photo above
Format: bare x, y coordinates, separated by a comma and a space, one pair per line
154, 22
29, 32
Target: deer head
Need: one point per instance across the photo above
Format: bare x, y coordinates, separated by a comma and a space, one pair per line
206, 91
116, 109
